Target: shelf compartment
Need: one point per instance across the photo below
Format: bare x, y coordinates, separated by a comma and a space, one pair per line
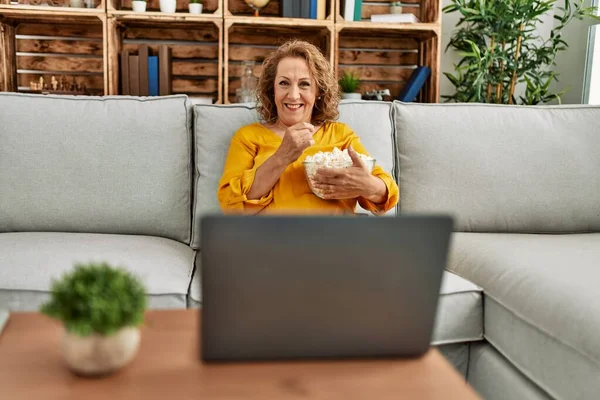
387, 60
195, 46
248, 42
70, 52
272, 11
61, 6
425, 10
210, 8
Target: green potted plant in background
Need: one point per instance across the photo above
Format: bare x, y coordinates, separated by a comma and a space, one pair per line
101, 308
501, 48
195, 7
395, 7
349, 83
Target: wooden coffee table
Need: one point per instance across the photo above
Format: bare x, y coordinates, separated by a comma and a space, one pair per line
168, 367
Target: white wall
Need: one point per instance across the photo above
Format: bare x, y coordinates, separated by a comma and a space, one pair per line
570, 64
594, 94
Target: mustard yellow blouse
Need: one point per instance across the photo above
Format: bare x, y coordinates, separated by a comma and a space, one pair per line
253, 144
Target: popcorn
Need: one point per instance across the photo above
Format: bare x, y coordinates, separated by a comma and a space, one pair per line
332, 159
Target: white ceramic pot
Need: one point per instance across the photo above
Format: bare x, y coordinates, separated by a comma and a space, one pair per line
354, 96
395, 9
76, 3
168, 6
98, 354
195, 8
139, 6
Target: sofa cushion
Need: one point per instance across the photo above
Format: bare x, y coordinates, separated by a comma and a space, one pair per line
95, 164
495, 378
31, 260
542, 309
459, 315
501, 168
215, 125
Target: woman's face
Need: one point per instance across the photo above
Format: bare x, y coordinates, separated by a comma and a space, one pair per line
295, 91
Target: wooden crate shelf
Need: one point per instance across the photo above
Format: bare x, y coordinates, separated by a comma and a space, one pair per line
427, 11
59, 6
210, 8
387, 60
272, 11
208, 49
249, 42
71, 52
195, 47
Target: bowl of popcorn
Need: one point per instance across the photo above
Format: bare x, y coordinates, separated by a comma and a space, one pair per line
332, 159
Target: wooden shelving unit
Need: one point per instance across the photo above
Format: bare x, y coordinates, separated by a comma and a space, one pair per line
208, 49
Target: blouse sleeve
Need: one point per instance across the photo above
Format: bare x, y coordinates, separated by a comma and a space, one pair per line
393, 192
237, 179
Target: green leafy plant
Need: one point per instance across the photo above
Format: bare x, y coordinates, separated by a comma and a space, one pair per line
500, 48
395, 3
96, 298
195, 1
349, 82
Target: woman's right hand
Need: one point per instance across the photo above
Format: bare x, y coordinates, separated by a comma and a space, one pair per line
296, 139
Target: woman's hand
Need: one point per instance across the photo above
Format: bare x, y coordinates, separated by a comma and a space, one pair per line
350, 183
295, 140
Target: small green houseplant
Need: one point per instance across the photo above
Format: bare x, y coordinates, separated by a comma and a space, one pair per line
101, 308
195, 7
349, 83
396, 7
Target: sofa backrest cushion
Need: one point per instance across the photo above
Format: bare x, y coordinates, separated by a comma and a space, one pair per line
215, 125
522, 169
95, 164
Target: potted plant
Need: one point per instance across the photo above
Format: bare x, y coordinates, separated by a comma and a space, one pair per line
139, 5
502, 49
195, 7
349, 83
101, 308
168, 6
396, 7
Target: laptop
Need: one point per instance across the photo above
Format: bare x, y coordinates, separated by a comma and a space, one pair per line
320, 287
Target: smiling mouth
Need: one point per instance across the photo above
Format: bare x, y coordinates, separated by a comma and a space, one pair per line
294, 107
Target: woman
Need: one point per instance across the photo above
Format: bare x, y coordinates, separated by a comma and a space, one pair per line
298, 99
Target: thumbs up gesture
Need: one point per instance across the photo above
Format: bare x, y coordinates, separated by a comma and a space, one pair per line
347, 183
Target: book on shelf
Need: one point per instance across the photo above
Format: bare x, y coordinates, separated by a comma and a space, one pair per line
145, 73
153, 76
414, 84
351, 10
310, 9
406, 18
143, 52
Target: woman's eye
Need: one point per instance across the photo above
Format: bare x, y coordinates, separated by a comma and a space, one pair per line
283, 83
305, 84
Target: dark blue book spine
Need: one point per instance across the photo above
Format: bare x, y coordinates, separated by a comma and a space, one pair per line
153, 75
287, 8
416, 81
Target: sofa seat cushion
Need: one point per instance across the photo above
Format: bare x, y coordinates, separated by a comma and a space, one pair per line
459, 315
29, 261
542, 309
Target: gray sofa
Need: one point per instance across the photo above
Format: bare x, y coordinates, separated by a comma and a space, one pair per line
126, 180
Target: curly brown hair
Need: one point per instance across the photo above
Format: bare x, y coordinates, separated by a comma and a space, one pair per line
328, 95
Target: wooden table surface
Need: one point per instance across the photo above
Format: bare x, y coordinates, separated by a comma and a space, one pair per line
168, 366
